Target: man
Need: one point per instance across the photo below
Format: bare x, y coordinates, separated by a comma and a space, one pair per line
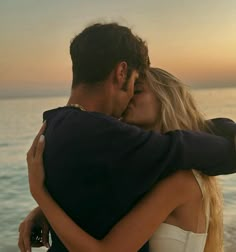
97, 167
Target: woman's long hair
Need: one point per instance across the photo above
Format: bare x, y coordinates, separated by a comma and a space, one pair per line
179, 111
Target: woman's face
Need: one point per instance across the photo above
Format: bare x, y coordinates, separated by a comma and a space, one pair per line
144, 108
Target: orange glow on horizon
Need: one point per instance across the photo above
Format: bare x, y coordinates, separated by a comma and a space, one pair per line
195, 41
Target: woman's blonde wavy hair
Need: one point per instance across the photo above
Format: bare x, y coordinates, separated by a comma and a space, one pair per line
179, 111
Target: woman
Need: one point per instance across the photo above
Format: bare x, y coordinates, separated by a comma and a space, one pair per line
181, 213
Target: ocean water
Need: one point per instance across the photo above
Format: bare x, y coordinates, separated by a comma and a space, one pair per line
20, 118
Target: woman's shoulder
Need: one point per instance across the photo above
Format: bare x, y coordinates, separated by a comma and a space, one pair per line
187, 182
178, 189
190, 215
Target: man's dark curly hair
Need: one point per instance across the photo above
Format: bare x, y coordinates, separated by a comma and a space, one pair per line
99, 47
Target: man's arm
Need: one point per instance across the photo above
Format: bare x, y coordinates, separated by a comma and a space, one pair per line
139, 159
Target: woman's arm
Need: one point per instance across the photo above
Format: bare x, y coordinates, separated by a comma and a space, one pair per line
130, 233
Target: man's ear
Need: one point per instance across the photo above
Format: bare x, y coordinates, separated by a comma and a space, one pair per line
121, 73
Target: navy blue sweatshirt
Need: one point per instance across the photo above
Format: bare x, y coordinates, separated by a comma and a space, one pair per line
98, 167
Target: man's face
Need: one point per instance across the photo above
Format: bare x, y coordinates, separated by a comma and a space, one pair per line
125, 94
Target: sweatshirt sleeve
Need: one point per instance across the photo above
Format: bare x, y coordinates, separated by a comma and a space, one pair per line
138, 158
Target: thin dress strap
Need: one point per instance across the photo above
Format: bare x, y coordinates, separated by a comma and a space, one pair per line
207, 204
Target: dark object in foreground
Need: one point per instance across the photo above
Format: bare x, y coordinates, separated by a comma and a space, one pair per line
36, 239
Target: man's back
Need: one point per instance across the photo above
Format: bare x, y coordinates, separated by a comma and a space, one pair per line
77, 171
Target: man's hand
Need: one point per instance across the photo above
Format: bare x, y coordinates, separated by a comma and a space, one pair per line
33, 231
223, 127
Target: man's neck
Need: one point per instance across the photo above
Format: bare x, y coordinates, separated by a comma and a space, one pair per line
96, 100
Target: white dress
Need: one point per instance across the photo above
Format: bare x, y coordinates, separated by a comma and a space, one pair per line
170, 238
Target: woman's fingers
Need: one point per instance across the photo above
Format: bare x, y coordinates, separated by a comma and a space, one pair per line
21, 244
31, 152
40, 148
24, 238
45, 235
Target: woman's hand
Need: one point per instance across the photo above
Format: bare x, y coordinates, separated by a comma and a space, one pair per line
28, 235
35, 163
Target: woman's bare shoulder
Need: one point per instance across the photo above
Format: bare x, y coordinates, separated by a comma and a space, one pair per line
187, 214
185, 183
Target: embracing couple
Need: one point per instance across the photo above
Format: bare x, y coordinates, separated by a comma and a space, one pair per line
129, 163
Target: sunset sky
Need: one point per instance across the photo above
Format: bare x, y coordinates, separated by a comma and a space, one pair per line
195, 40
